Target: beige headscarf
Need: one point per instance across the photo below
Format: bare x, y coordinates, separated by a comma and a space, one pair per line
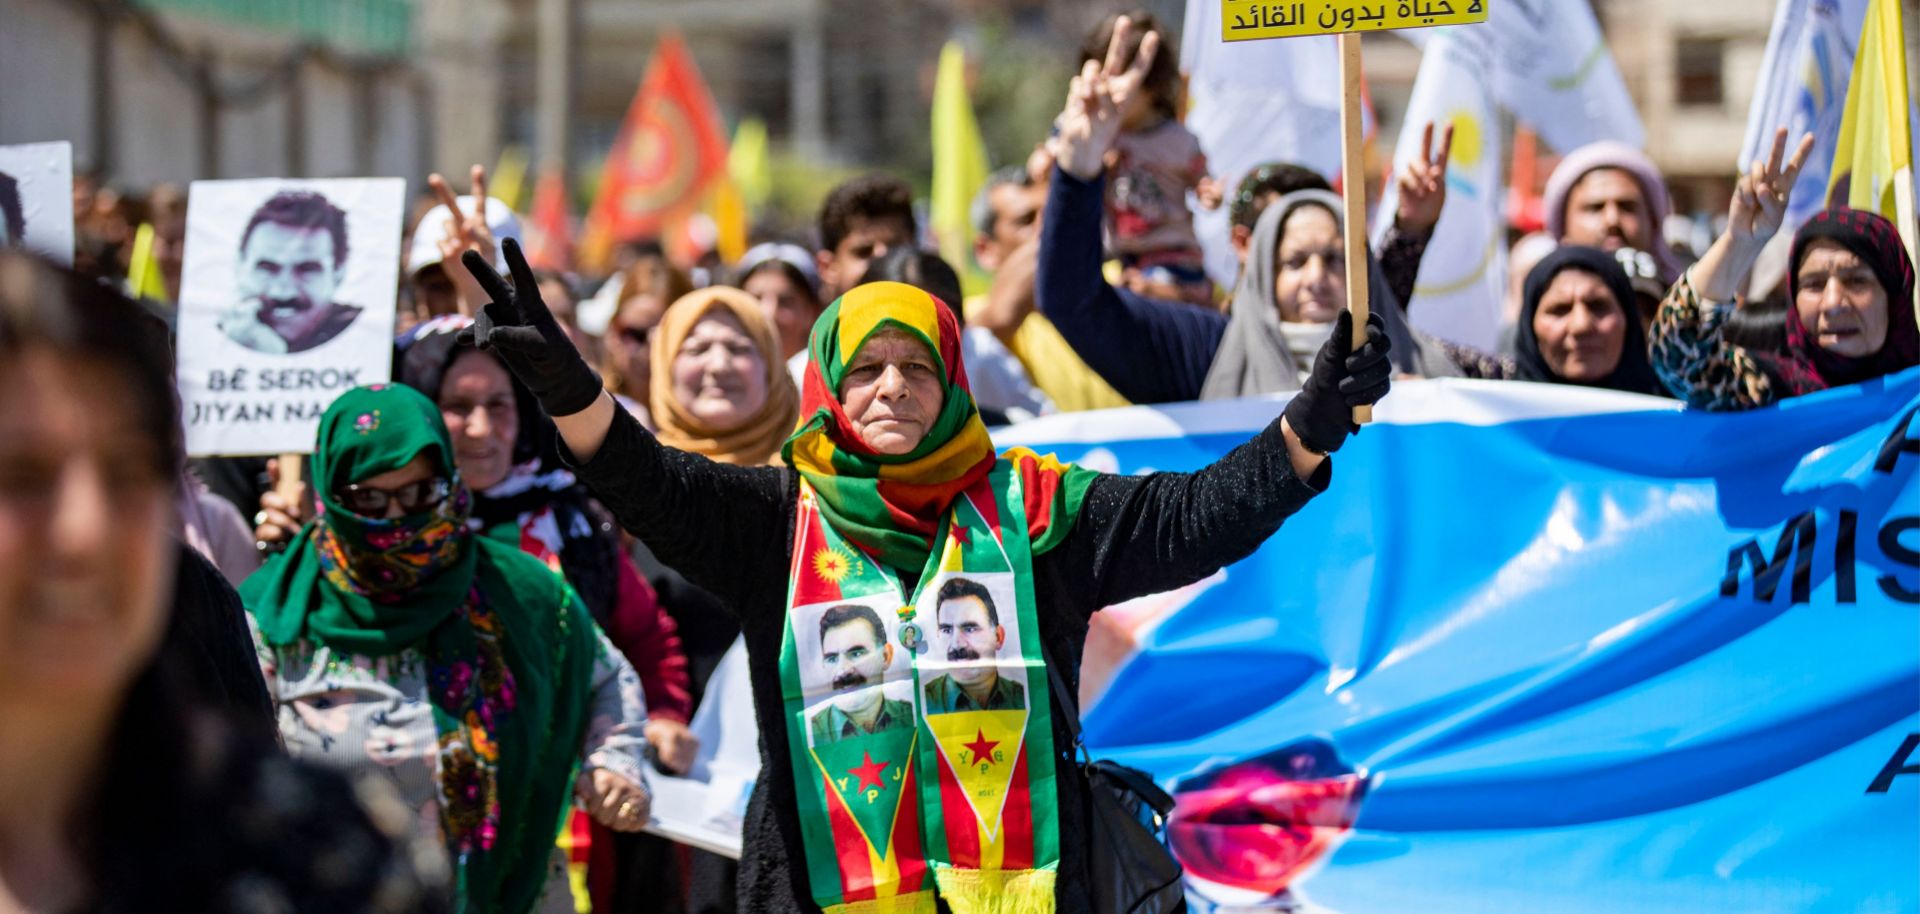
752, 443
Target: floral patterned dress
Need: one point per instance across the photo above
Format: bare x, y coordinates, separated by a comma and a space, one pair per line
1695, 360
372, 715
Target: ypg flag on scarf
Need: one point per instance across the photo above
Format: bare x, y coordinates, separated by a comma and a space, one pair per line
669, 150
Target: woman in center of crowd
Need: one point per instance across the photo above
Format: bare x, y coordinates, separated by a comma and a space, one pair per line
907, 596
898, 563
397, 641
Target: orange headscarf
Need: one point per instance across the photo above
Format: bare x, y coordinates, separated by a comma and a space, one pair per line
752, 443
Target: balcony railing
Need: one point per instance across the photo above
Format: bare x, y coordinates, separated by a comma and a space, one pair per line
375, 27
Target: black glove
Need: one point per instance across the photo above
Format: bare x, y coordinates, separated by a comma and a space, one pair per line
1321, 414
517, 327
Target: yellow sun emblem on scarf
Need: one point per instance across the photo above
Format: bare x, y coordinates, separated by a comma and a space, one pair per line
832, 565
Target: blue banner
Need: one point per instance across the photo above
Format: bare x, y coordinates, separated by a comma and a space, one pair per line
1539, 649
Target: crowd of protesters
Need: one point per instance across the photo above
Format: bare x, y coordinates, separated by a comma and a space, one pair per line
512, 571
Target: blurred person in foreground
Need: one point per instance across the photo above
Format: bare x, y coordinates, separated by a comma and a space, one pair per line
127, 782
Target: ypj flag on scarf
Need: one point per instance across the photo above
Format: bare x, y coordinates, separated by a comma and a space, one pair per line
1539, 648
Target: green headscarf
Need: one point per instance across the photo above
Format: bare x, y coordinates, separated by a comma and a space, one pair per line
509, 648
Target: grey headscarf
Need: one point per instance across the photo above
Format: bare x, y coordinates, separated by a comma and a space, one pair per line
1254, 358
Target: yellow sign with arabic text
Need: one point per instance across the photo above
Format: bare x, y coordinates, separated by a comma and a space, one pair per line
1245, 20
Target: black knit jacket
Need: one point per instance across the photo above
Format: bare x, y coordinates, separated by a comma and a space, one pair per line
730, 530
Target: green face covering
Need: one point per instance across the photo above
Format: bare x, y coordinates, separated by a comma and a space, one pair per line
509, 650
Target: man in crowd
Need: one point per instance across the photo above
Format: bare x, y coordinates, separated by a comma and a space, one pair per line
1006, 221
971, 631
854, 649
861, 220
1609, 195
293, 255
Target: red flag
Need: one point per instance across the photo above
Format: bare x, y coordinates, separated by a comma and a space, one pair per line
550, 234
669, 150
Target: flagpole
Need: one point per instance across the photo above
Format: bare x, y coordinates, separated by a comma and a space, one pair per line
1353, 192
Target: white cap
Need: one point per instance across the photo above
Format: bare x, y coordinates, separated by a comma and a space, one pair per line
433, 227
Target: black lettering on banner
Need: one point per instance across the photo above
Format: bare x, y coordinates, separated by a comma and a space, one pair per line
1897, 765
1798, 532
1891, 546
302, 411
310, 379
1843, 570
1898, 443
220, 380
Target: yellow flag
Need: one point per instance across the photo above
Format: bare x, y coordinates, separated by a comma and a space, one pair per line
1873, 160
143, 269
728, 209
959, 167
509, 177
750, 163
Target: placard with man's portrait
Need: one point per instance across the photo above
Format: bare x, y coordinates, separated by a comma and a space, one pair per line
36, 199
286, 301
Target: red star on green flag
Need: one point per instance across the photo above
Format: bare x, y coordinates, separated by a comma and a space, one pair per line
869, 773
981, 747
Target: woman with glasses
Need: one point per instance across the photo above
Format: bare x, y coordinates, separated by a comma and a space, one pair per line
397, 641
626, 366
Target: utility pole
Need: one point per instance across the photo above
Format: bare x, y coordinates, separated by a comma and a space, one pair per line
556, 67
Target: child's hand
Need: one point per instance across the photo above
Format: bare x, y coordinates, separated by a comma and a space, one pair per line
1209, 192
1087, 127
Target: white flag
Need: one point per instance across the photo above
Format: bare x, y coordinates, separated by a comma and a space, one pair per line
1556, 74
1463, 275
1803, 87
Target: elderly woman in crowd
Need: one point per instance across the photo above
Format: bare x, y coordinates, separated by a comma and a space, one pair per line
502, 446
1850, 317
397, 641
124, 785
1578, 325
720, 391
898, 547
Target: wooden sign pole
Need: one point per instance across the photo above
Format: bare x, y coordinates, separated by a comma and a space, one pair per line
1353, 192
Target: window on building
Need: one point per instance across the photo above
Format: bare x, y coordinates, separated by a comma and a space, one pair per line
1697, 71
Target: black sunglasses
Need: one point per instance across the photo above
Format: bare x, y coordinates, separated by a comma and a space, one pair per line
636, 337
413, 497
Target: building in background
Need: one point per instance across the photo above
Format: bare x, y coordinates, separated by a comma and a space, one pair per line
172, 90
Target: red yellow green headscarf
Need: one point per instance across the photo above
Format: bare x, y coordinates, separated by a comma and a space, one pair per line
923, 796
892, 505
